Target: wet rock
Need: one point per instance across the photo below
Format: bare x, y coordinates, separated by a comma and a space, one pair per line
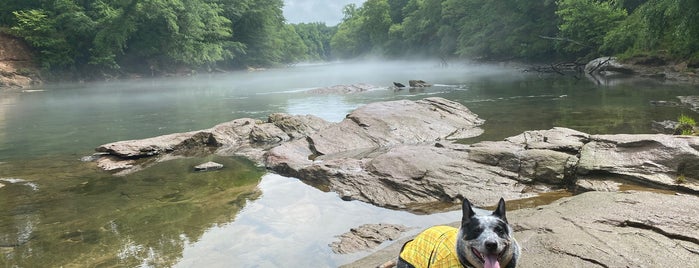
112, 163
691, 101
419, 83
599, 229
367, 236
343, 89
665, 127
208, 166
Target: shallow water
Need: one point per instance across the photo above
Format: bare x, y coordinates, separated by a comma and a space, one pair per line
58, 211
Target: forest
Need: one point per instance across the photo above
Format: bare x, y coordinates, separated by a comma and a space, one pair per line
91, 38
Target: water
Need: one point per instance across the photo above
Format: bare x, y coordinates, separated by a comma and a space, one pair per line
58, 211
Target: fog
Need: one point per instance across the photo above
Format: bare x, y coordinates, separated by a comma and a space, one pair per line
305, 11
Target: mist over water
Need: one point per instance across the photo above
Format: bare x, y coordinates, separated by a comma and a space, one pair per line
56, 210
74, 118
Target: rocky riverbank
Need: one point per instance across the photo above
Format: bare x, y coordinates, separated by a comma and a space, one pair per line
404, 155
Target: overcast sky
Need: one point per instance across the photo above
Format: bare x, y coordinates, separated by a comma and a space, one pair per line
328, 11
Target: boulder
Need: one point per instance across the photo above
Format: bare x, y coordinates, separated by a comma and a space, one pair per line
607, 66
598, 229
367, 236
391, 123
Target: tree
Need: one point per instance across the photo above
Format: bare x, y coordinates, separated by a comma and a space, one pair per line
584, 23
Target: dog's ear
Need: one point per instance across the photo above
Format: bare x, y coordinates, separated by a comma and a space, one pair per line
467, 211
500, 210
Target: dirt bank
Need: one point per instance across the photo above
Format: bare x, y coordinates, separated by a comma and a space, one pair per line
17, 67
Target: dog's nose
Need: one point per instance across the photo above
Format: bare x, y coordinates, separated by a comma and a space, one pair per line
491, 246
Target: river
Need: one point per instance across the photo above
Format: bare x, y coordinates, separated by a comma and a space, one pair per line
56, 210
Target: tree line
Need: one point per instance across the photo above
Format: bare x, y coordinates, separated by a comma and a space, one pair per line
97, 37
149, 36
545, 30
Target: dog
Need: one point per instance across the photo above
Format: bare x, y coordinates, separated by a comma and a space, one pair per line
482, 241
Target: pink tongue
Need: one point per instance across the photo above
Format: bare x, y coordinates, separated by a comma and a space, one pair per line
491, 261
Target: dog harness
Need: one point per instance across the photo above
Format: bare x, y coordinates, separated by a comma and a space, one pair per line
433, 248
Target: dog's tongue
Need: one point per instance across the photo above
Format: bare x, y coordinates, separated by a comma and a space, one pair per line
491, 261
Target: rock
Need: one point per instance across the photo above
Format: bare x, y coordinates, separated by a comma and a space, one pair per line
691, 101
610, 230
653, 159
543, 156
367, 236
112, 163
397, 122
343, 89
665, 127
630, 229
208, 166
246, 137
298, 126
597, 185
383, 153
132, 149
268, 133
404, 176
418, 83
607, 66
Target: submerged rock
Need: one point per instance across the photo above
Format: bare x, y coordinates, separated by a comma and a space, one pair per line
208, 166
343, 89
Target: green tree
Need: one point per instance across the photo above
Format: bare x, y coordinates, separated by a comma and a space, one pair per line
584, 23
316, 37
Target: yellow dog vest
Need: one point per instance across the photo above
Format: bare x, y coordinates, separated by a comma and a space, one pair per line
434, 248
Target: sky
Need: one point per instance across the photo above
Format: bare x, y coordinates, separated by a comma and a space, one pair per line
328, 11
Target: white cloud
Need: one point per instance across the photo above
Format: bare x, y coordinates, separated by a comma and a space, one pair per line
328, 11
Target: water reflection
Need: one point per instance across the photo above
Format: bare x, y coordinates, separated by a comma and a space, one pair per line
82, 217
291, 225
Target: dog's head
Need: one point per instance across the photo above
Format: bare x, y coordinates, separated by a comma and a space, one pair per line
485, 241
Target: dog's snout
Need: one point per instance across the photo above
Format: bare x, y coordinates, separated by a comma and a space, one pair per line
491, 246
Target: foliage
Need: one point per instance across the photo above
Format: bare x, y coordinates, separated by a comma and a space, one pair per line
584, 23
686, 125
518, 29
104, 36
316, 37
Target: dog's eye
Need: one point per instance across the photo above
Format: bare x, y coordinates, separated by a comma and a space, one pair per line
499, 230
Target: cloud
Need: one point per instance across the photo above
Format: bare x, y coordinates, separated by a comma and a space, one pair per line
330, 12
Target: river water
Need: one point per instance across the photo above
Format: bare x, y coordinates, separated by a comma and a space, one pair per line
56, 210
